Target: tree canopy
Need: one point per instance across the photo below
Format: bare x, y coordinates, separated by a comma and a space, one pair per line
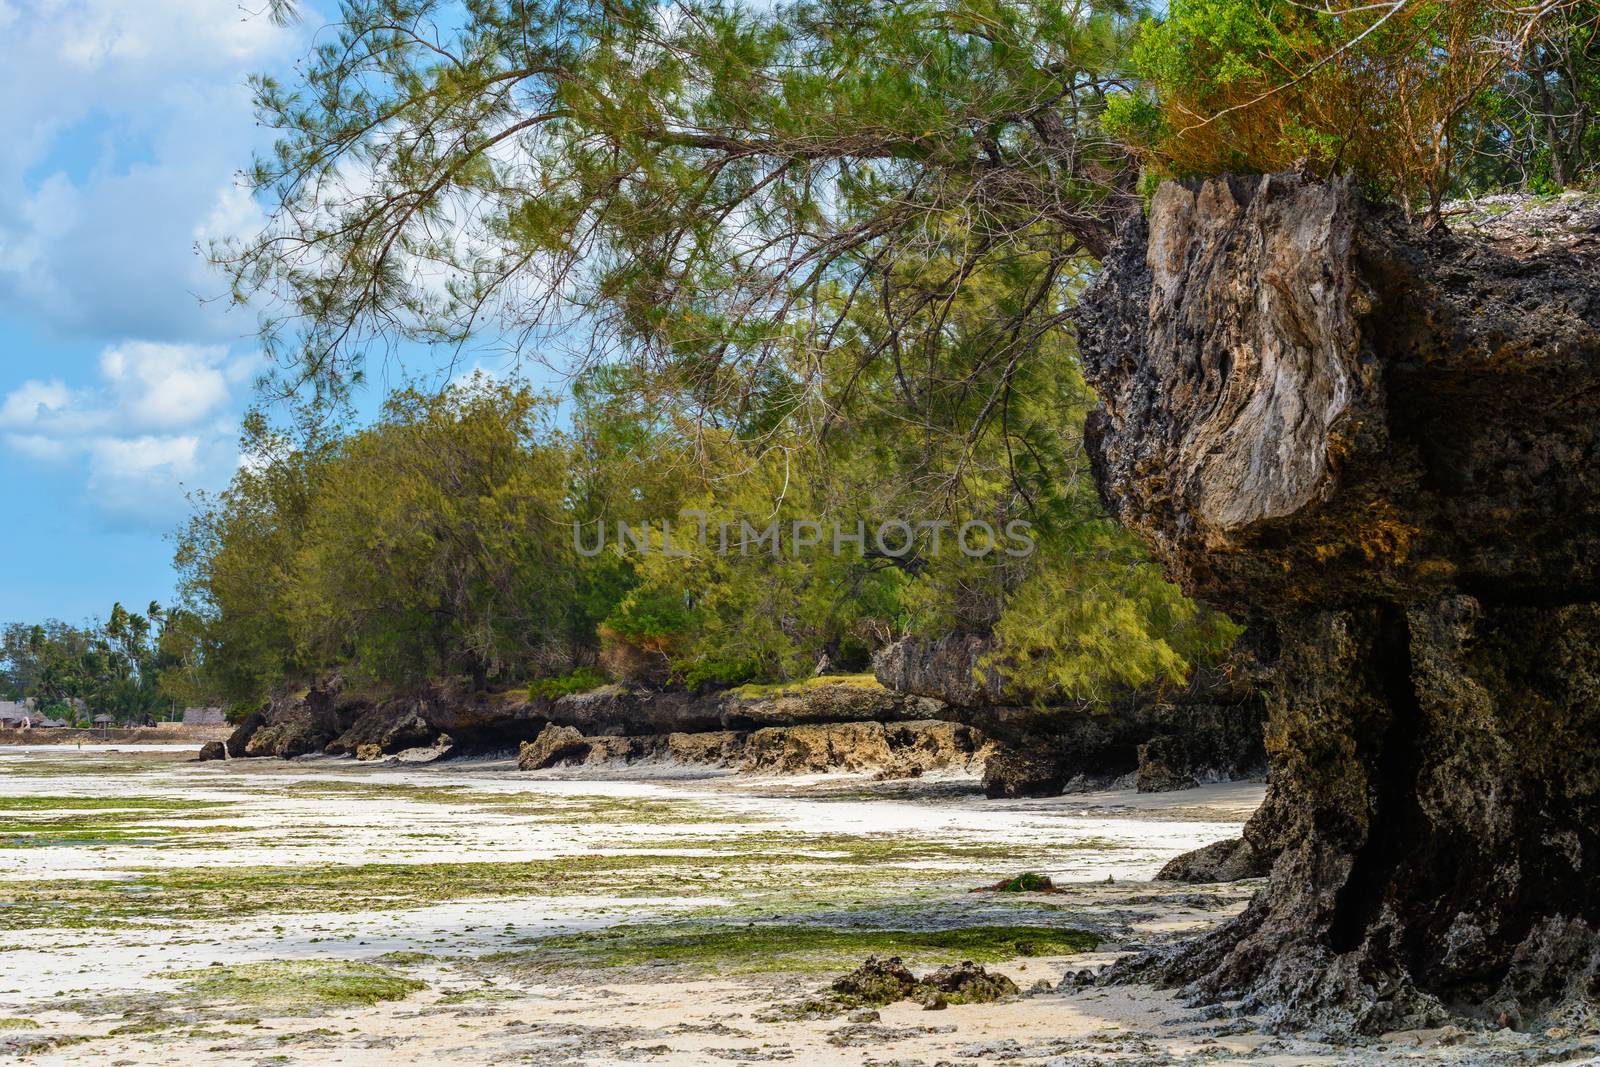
467, 535
712, 186
801, 261
131, 665
1416, 97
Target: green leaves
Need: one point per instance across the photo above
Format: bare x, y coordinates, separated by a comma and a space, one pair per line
1411, 97
823, 253
690, 181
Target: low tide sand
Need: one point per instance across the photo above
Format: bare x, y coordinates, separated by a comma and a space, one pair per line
162, 911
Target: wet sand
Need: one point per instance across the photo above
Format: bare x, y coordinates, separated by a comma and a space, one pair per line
323, 911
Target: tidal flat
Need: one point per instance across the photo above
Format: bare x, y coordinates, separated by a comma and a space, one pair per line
156, 910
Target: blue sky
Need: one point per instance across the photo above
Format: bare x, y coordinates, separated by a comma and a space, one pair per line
124, 372
120, 387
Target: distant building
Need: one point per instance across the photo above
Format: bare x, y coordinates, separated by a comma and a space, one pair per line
15, 715
203, 717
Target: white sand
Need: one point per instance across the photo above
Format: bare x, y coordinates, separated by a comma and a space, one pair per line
315, 814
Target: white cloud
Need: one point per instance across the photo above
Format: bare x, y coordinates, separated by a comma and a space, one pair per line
36, 446
139, 457
153, 428
167, 385
144, 386
145, 480
33, 400
125, 124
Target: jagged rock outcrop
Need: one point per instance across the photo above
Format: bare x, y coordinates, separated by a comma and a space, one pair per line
554, 745
630, 709
895, 750
1381, 443
717, 748
953, 668
298, 724
1197, 744
387, 727
1222, 861
1170, 738
241, 734
835, 703
1050, 750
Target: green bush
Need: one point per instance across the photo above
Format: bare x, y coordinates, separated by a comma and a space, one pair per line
580, 680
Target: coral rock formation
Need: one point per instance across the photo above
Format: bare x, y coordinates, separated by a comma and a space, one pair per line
1167, 738
1380, 442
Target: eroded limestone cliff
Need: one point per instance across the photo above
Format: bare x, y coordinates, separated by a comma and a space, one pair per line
1381, 443
1160, 738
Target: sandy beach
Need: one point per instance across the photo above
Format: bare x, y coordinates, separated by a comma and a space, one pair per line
324, 911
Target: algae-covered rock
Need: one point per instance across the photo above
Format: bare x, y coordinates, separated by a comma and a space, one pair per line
876, 982
881, 981
1027, 882
967, 983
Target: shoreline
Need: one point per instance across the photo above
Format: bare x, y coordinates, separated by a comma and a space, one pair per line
329, 910
187, 736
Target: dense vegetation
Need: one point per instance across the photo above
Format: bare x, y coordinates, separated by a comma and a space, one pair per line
133, 667
469, 534
808, 262
1418, 99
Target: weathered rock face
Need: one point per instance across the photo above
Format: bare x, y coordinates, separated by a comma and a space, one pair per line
387, 727
1201, 743
826, 704
296, 725
626, 709
241, 734
1381, 443
1048, 751
950, 668
1208, 731
894, 749
554, 745
1224, 861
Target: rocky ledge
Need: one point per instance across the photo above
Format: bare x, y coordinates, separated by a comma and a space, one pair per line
823, 724
848, 723
1158, 739
893, 749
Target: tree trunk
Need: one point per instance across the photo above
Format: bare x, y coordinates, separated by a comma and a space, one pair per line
1384, 444
1552, 131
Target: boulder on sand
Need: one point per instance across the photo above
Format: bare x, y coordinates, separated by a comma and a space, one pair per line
555, 744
